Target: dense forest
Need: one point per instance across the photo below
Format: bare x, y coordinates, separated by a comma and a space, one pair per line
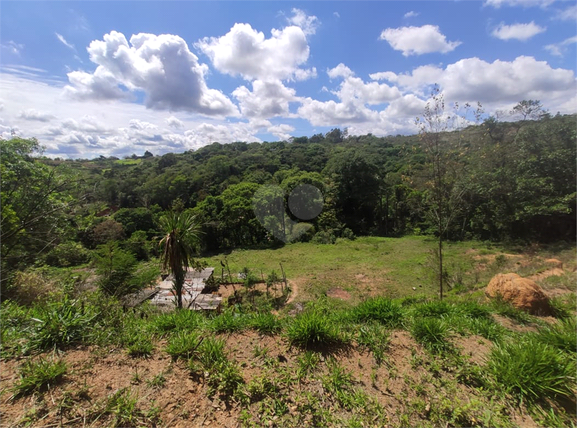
511, 181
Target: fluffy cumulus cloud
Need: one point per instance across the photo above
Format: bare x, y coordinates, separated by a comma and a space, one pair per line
521, 32
340, 70
418, 40
174, 122
496, 83
267, 99
33, 114
207, 133
161, 66
411, 14
282, 131
245, 52
308, 23
355, 96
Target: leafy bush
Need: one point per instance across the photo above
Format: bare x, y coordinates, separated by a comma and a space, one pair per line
380, 309
324, 237
431, 333
531, 369
313, 328
116, 268
68, 254
38, 375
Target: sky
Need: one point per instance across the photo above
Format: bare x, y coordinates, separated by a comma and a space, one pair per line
112, 78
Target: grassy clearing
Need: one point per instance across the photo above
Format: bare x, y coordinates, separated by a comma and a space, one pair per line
328, 362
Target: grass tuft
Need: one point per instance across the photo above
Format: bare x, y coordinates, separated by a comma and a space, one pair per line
380, 309
432, 333
531, 369
313, 328
38, 375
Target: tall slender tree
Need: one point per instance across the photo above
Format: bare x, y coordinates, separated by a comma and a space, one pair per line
445, 196
180, 230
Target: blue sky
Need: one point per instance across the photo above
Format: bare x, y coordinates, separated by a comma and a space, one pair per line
116, 78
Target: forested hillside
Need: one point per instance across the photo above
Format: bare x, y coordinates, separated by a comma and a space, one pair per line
514, 181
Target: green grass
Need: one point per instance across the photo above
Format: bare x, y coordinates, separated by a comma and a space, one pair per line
314, 329
432, 333
183, 344
39, 375
561, 335
393, 265
380, 309
265, 323
531, 370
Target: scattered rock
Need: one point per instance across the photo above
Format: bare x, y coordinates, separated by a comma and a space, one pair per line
522, 293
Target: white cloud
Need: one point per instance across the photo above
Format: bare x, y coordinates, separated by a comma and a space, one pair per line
174, 122
301, 74
408, 106
207, 133
267, 99
65, 42
418, 40
525, 3
558, 49
308, 23
33, 114
331, 113
336, 14
340, 70
246, 52
282, 131
521, 32
353, 89
493, 84
162, 66
568, 14
13, 47
411, 14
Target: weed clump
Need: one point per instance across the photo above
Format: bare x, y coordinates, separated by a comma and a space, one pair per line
432, 333
380, 309
38, 375
531, 369
312, 328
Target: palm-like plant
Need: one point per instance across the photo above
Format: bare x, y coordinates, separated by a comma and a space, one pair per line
180, 231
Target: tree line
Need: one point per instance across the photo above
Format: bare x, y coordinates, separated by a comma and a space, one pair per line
514, 180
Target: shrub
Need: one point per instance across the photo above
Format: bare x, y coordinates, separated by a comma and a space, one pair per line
380, 309
531, 369
68, 254
314, 329
38, 375
324, 237
116, 269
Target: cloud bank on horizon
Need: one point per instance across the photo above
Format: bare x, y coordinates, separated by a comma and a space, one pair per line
265, 72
